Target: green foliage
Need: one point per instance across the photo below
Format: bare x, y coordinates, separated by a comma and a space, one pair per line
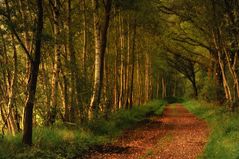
101, 126
124, 119
224, 138
60, 141
211, 91
128, 5
172, 100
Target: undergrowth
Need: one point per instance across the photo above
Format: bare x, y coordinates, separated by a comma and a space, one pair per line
61, 142
223, 141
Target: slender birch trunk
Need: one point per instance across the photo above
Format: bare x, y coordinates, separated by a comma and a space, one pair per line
100, 36
133, 63
56, 65
121, 30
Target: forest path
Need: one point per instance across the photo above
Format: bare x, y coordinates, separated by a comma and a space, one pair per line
177, 134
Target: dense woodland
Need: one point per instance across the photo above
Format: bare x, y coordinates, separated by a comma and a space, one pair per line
73, 61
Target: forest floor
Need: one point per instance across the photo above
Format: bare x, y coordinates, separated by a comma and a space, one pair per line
177, 134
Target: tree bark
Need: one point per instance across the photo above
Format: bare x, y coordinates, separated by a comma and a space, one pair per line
32, 82
100, 35
10, 80
164, 88
116, 74
84, 40
226, 87
56, 65
122, 39
138, 80
147, 78
127, 73
157, 86
133, 64
12, 94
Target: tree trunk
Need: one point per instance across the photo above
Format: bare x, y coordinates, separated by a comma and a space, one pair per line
74, 78
133, 64
147, 78
217, 40
84, 40
138, 80
225, 83
174, 88
121, 30
47, 89
231, 8
56, 66
63, 85
100, 35
193, 80
12, 93
157, 86
10, 80
164, 88
32, 82
116, 74
222, 67
127, 73
195, 88
233, 71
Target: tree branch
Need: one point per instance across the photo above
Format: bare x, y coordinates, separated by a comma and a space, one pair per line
10, 25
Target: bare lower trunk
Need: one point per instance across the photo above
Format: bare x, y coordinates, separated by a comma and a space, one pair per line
64, 98
174, 88
225, 83
164, 88
157, 85
233, 71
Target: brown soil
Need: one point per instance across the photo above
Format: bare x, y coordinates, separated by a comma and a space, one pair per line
178, 134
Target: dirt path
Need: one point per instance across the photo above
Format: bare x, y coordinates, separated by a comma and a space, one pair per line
178, 134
